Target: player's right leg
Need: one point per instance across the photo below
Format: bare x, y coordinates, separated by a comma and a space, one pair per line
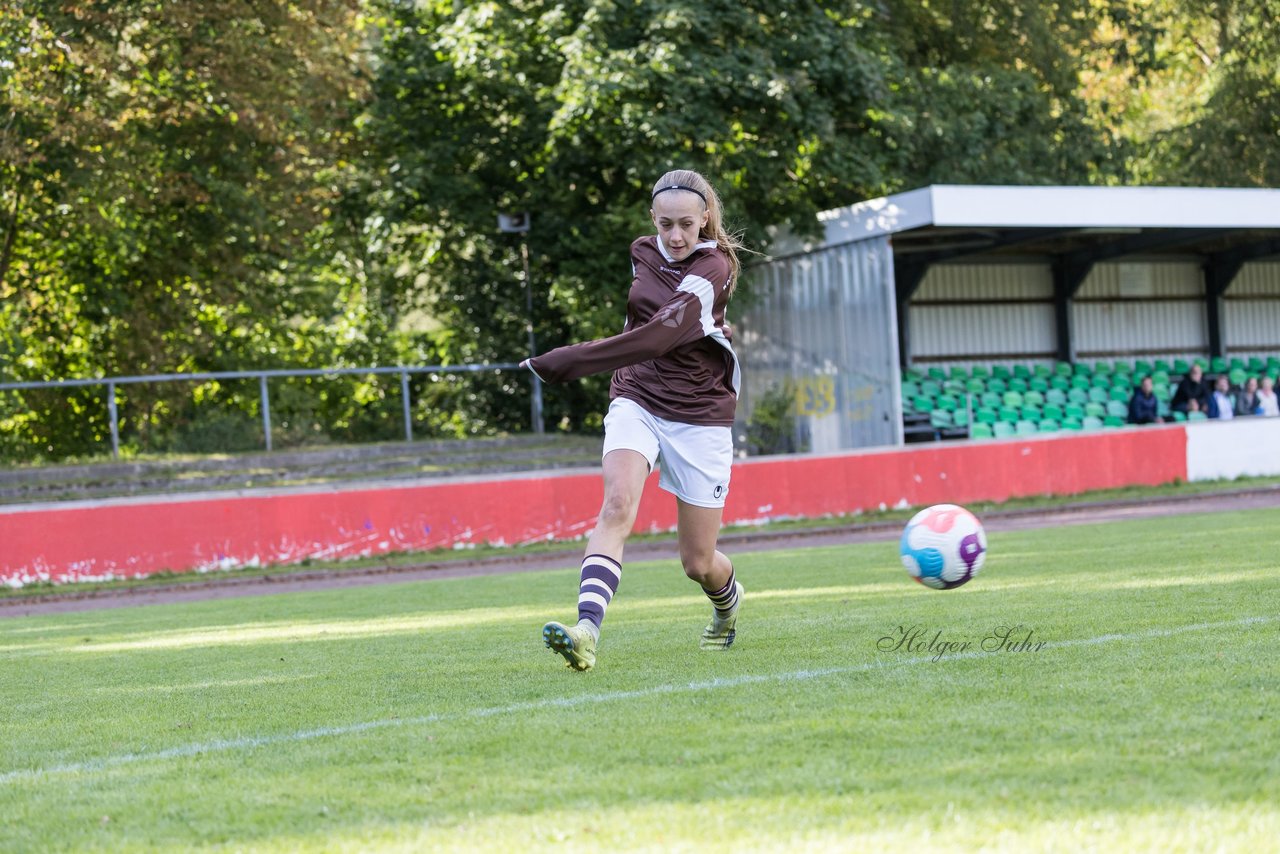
624, 475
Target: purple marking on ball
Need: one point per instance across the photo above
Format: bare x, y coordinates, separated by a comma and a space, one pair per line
970, 549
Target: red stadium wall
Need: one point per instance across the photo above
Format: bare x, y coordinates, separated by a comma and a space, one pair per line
126, 537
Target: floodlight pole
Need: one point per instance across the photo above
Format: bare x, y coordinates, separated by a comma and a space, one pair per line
536, 414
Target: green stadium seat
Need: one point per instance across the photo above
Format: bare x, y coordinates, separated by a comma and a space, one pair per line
1059, 382
1018, 384
1180, 366
1238, 376
986, 415
1003, 429
1073, 411
1080, 381
937, 373
1197, 416
1123, 381
1179, 416
1162, 409
1078, 395
1001, 372
1008, 413
1099, 395
924, 403
1162, 365
1237, 364
1113, 421
1031, 413
961, 417
1103, 368
1162, 391
1026, 428
1256, 365
1052, 412
981, 431
1062, 369
1121, 394
975, 386
954, 387
1022, 372
1049, 425
997, 384
1038, 384
941, 419
913, 375
1072, 424
958, 372
1159, 377
1091, 422
1034, 398
910, 389
1142, 367
1115, 407
980, 372
991, 399
1218, 365
1101, 381
1012, 398
948, 403
1043, 370
933, 388
1094, 410
1202, 362
1056, 396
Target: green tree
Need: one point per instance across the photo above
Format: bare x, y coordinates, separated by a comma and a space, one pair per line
167, 169
572, 109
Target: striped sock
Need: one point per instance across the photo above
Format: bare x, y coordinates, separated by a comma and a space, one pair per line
724, 600
600, 577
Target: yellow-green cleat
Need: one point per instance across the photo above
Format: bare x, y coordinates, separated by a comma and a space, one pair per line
719, 634
576, 644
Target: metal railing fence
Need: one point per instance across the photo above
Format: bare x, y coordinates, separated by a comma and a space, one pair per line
264, 396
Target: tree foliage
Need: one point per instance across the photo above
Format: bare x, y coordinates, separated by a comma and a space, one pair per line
572, 109
165, 168
198, 186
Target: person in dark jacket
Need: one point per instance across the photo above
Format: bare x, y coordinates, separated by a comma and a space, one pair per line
1192, 394
1143, 406
1247, 400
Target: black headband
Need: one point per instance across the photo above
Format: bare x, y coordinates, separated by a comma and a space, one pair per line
678, 187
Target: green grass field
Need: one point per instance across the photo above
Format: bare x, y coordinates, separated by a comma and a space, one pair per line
429, 716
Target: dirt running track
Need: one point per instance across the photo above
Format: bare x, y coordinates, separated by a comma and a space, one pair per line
215, 587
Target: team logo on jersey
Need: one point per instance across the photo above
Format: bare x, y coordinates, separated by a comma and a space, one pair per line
719, 490
674, 317
668, 270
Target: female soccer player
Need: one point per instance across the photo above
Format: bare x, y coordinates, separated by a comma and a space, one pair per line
674, 392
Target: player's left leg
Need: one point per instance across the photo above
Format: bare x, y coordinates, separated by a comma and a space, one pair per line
699, 529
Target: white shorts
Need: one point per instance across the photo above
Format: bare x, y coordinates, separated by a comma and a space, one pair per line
694, 460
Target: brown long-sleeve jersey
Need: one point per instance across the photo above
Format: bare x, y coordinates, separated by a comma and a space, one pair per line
674, 356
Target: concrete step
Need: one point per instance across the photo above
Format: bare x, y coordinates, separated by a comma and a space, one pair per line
348, 463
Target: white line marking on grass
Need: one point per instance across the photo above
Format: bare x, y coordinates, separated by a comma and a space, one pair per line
250, 742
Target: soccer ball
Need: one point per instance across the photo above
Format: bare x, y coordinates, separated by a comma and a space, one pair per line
943, 546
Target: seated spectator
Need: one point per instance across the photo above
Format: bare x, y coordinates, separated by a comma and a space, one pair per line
1222, 404
1143, 406
1247, 399
1267, 403
1192, 394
